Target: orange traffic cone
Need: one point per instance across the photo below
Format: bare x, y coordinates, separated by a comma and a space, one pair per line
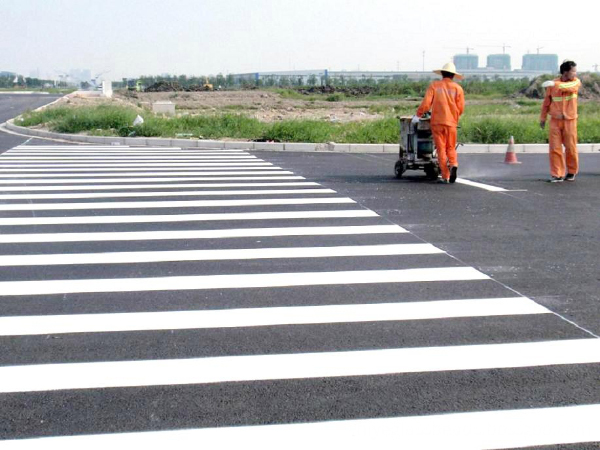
511, 156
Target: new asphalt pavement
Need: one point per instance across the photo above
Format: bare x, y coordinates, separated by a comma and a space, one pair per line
286, 300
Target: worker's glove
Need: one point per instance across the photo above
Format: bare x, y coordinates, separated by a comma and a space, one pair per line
415, 119
547, 84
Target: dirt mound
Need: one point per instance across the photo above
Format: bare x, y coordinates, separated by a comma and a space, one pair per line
590, 89
173, 86
165, 86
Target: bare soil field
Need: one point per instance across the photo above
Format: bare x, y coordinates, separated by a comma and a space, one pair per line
266, 106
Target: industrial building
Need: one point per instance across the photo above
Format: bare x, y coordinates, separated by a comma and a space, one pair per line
466, 61
542, 63
498, 66
498, 62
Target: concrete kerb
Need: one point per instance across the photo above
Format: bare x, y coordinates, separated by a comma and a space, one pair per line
274, 146
299, 147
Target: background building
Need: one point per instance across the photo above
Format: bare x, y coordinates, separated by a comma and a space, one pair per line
498, 62
542, 63
498, 67
466, 61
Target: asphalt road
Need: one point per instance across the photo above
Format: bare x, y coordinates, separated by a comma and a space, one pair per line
541, 239
303, 317
11, 105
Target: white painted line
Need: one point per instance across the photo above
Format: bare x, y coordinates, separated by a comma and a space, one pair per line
121, 149
140, 180
217, 255
487, 187
33, 159
122, 162
262, 317
98, 375
130, 153
142, 168
490, 430
140, 164
58, 176
244, 281
11, 221
234, 157
198, 234
170, 204
99, 187
166, 194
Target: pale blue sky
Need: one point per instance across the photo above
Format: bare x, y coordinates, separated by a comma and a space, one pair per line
133, 37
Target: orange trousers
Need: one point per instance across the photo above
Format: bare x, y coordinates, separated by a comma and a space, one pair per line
444, 138
563, 132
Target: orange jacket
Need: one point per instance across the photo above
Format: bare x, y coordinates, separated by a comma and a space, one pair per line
446, 100
561, 100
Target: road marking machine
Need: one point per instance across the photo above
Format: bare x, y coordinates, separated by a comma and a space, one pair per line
417, 150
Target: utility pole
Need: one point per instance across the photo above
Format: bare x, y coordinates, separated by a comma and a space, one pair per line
423, 60
538, 50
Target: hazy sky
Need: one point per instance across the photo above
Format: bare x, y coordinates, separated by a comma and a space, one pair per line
134, 37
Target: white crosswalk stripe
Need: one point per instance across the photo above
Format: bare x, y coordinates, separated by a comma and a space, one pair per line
191, 172
139, 167
170, 204
305, 312
307, 365
217, 255
255, 317
111, 165
72, 220
126, 186
146, 180
462, 431
203, 282
166, 194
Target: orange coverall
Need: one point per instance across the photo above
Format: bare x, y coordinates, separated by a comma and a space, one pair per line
446, 100
561, 103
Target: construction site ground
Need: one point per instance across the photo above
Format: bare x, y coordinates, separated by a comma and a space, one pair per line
266, 106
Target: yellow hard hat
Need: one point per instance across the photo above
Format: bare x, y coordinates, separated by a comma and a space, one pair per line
451, 68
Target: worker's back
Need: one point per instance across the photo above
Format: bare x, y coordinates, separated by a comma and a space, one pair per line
446, 100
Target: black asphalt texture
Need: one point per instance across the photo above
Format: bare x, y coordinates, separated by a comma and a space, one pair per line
538, 240
12, 105
542, 239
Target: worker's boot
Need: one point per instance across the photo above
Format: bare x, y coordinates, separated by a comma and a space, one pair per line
453, 173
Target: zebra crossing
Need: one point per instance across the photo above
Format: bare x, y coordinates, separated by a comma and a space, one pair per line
154, 296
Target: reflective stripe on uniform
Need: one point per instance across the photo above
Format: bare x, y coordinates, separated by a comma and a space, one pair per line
568, 85
565, 98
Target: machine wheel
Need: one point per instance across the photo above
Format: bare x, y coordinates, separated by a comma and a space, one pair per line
432, 172
399, 169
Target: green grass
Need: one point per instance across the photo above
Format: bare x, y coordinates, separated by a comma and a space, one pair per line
491, 123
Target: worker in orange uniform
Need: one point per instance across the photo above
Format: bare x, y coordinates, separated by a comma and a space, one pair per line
446, 100
561, 103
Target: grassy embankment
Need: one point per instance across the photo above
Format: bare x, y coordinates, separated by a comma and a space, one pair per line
490, 122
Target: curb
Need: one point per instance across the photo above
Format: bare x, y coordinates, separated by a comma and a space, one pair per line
275, 146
